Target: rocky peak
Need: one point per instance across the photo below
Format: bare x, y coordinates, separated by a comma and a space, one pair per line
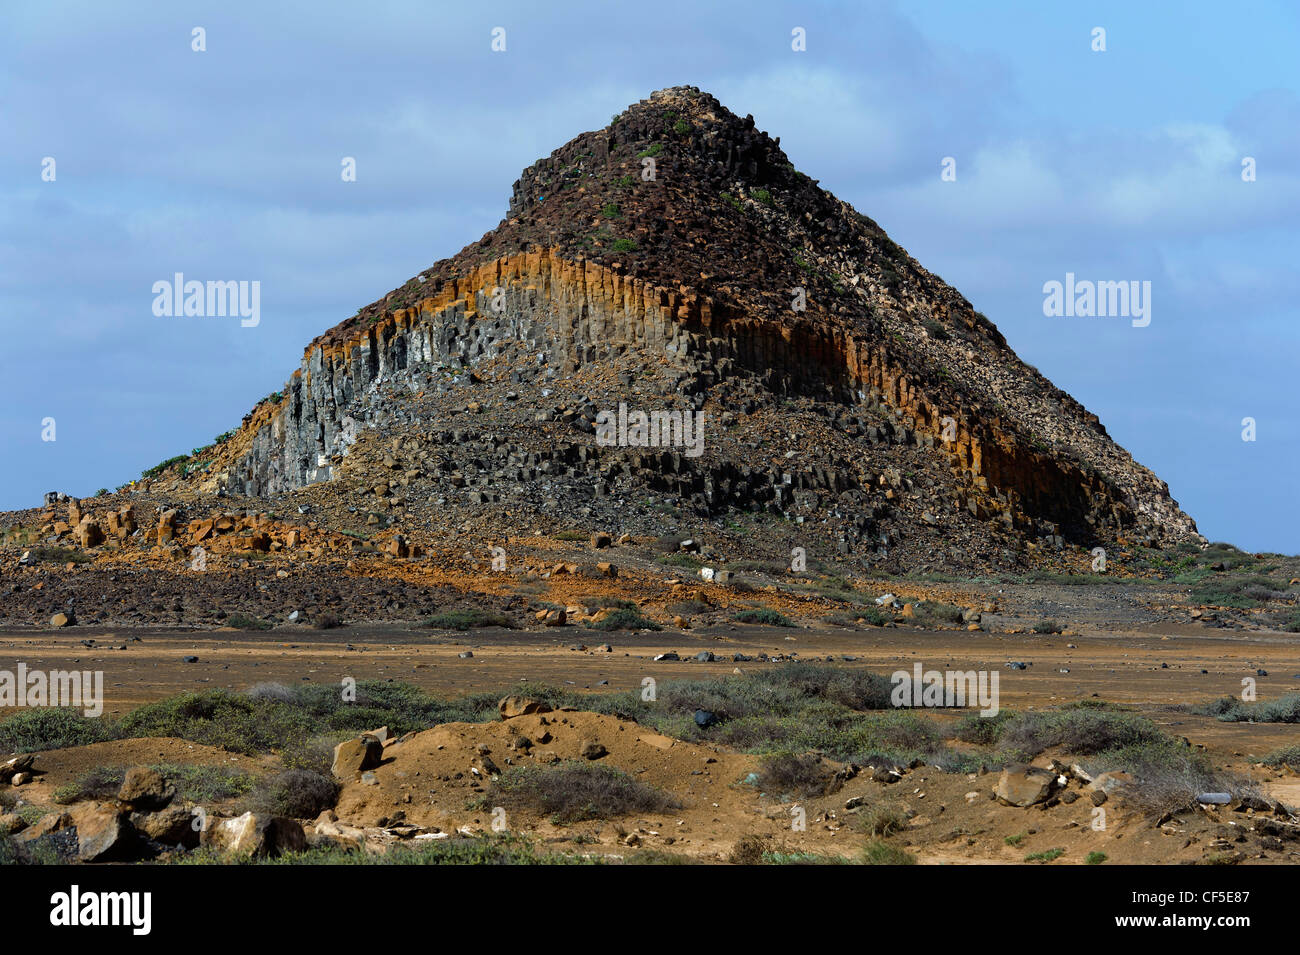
680, 243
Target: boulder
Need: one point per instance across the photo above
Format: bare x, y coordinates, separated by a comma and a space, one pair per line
512, 706
255, 835
173, 826
356, 755
145, 789
89, 533
15, 765
599, 541
48, 823
103, 832
1107, 783
1025, 786
63, 619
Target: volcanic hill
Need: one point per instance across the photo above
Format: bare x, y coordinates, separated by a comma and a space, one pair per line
853, 404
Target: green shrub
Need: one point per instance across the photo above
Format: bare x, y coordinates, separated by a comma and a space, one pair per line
296, 793
162, 466
468, 619
883, 821
623, 618
221, 718
790, 774
53, 727
882, 853
243, 621
765, 616
1051, 855
624, 245
930, 613
1229, 709
1079, 731
573, 791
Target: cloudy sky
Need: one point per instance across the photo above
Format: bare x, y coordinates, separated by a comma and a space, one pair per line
225, 164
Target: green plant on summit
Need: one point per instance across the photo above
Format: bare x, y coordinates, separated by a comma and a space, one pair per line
653, 150
162, 466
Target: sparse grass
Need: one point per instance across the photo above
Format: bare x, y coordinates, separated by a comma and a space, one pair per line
764, 616
790, 774
1095, 858
936, 330
750, 849
569, 536
162, 466
682, 560
985, 730
624, 245
1050, 855
623, 619
1047, 626
297, 793
882, 821
762, 195
59, 555
688, 608
193, 783
243, 621
882, 853
1081, 731
1229, 709
1239, 593
1014, 841
490, 850
467, 620
1289, 756
572, 791
42, 728
930, 613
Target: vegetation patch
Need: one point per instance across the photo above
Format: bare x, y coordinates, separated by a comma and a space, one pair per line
573, 791
467, 620
764, 616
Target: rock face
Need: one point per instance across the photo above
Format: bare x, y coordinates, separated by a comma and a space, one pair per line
1025, 786
145, 789
749, 287
256, 835
356, 755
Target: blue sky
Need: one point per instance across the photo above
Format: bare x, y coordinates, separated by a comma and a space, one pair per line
224, 164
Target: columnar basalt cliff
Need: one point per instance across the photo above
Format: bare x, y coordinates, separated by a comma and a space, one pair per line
681, 239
